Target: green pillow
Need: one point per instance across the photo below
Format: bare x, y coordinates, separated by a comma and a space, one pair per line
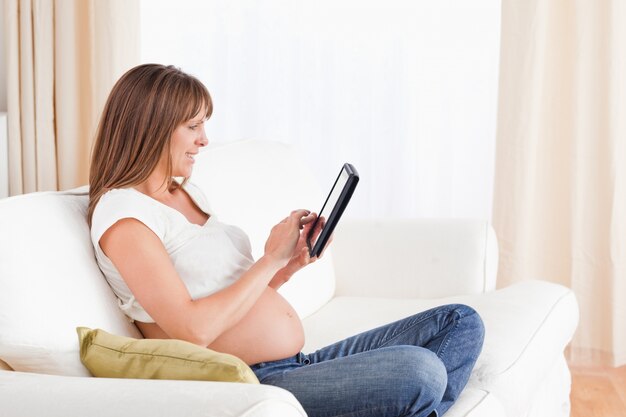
110, 356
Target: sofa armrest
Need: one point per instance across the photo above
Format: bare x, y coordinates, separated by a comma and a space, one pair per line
27, 394
416, 258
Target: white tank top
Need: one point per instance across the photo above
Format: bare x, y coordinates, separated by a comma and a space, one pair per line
207, 258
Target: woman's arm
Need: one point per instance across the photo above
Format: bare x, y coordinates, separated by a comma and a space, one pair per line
141, 259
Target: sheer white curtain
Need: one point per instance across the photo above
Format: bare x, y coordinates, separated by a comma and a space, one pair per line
405, 90
560, 196
62, 59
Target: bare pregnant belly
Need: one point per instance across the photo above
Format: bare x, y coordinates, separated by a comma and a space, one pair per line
270, 331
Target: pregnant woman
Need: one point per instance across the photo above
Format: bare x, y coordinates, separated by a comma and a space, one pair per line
180, 273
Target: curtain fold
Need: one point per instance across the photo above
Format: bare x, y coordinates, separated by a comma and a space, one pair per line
63, 56
560, 195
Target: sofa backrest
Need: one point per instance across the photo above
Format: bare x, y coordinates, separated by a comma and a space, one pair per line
256, 184
50, 282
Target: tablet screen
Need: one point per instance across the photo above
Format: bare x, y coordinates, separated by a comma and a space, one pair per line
333, 208
333, 197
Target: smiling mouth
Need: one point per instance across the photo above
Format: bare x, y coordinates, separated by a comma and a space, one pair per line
190, 156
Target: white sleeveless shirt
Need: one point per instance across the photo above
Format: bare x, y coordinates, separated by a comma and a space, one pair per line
207, 258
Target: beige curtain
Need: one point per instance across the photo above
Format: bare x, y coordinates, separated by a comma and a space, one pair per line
560, 192
63, 56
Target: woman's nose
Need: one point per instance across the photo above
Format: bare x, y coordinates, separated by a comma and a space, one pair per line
203, 140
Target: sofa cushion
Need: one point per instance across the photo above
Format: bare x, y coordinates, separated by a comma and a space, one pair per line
111, 356
475, 402
50, 283
28, 395
254, 185
527, 326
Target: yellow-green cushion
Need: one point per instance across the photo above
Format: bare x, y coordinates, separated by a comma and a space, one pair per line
111, 356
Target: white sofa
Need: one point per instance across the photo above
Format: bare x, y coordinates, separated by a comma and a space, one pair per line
376, 272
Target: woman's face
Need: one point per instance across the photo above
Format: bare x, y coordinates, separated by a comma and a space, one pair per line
186, 141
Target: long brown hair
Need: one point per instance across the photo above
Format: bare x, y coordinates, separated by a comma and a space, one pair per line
143, 109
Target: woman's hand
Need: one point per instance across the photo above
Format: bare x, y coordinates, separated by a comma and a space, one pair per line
285, 237
301, 256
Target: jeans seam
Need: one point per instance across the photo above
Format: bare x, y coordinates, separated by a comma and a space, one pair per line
446, 340
411, 326
368, 409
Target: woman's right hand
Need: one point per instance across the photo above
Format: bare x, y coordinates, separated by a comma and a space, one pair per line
284, 236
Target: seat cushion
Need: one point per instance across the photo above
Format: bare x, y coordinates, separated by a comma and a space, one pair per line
527, 328
474, 402
28, 395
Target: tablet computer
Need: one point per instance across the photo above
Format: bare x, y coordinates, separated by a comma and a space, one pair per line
333, 208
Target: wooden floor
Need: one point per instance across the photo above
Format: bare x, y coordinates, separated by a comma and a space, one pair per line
598, 392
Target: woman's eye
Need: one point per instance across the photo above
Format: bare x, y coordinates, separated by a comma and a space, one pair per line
193, 127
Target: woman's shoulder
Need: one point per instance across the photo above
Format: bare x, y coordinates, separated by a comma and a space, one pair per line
118, 193
120, 203
117, 198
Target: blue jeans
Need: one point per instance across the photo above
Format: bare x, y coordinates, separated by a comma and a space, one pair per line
416, 366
